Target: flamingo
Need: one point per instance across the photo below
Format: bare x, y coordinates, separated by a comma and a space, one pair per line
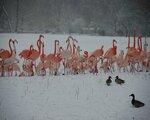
2, 50
98, 52
143, 56
74, 46
43, 55
120, 58
51, 55
70, 54
65, 55
5, 54
111, 54
111, 51
25, 53
13, 58
75, 57
69, 44
132, 51
55, 58
35, 54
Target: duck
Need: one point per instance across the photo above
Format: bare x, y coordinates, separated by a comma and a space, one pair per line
108, 81
136, 103
119, 81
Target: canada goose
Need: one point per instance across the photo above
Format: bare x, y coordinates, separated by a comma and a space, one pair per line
119, 81
108, 81
136, 103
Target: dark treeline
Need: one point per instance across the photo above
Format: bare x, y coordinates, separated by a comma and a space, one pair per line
97, 17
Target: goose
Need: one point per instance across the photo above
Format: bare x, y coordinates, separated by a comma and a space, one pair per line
119, 81
136, 103
108, 81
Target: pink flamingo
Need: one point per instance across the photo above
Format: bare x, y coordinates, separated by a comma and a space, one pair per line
25, 53
5, 54
13, 58
98, 52
65, 55
55, 58
111, 51
69, 44
35, 54
56, 50
43, 55
132, 51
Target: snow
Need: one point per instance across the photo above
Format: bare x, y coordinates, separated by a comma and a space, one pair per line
72, 97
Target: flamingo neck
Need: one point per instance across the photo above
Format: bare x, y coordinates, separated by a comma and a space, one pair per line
31, 47
141, 43
74, 47
43, 49
138, 43
134, 37
14, 49
114, 43
134, 43
69, 46
102, 49
55, 48
39, 46
128, 41
11, 51
134, 40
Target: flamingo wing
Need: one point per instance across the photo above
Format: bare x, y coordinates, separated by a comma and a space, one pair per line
49, 57
110, 52
5, 54
97, 53
66, 54
34, 55
24, 54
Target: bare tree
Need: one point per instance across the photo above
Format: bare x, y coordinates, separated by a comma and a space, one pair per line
17, 16
3, 10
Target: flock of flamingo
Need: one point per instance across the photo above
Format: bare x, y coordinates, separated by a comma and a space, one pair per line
36, 62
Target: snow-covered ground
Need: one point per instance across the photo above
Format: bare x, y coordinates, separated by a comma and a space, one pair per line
72, 97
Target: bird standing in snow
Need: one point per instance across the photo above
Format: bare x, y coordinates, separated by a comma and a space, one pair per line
136, 103
108, 81
119, 81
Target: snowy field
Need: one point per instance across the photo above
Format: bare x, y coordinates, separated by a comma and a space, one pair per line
72, 97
